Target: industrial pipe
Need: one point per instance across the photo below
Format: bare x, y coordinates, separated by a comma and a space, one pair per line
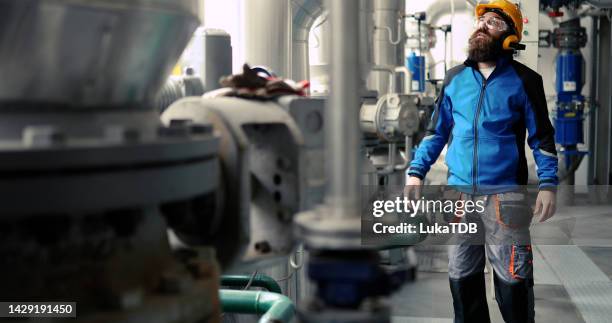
391, 88
388, 38
593, 98
274, 307
343, 133
303, 13
407, 78
407, 155
472, 3
439, 8
258, 280
390, 33
393, 71
600, 3
392, 167
266, 30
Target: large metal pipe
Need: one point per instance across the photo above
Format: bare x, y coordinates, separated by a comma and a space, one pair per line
304, 13
593, 99
440, 8
343, 134
388, 40
365, 36
600, 3
267, 38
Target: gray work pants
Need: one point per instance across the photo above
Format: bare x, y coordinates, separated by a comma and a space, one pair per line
503, 230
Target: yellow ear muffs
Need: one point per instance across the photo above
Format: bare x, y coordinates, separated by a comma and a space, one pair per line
511, 43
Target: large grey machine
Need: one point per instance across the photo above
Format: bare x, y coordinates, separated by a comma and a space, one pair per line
90, 178
105, 204
270, 154
131, 216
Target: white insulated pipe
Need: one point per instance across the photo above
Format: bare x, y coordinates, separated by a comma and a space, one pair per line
439, 8
268, 34
303, 13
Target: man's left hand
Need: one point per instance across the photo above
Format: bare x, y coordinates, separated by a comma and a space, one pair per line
545, 205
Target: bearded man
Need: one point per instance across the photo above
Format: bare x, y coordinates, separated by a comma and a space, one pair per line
486, 107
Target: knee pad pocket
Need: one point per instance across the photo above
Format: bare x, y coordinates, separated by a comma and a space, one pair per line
520, 266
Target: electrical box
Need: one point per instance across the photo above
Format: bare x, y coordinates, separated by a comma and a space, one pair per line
531, 13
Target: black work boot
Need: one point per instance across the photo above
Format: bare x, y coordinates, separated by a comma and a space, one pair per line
515, 300
470, 299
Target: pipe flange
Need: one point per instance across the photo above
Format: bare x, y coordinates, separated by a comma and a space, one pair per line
323, 228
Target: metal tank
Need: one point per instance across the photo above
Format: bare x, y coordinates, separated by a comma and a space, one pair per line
90, 54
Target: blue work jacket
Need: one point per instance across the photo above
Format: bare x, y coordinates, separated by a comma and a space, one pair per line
484, 122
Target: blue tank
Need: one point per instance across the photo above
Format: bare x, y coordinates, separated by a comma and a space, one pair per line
416, 66
569, 76
569, 117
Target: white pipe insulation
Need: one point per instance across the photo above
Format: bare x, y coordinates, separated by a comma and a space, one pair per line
303, 13
267, 34
441, 7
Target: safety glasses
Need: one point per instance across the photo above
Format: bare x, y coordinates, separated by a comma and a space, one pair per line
492, 23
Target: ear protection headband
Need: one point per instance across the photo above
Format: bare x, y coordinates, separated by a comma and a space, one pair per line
510, 40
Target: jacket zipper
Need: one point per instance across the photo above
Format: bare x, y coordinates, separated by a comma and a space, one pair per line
475, 161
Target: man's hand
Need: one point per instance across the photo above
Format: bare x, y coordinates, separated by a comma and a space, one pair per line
413, 185
545, 205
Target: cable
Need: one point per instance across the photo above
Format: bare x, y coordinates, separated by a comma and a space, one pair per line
250, 280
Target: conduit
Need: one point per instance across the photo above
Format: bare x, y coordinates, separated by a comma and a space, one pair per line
274, 307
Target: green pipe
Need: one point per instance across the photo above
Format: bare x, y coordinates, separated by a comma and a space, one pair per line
259, 280
274, 307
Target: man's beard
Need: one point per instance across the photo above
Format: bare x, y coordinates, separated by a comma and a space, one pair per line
484, 49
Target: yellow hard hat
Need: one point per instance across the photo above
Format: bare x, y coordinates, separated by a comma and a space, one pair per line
510, 11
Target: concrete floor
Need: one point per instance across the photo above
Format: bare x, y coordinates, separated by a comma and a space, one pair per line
428, 300
573, 272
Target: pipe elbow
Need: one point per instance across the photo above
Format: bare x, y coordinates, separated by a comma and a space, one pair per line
274, 307
304, 14
269, 283
278, 307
